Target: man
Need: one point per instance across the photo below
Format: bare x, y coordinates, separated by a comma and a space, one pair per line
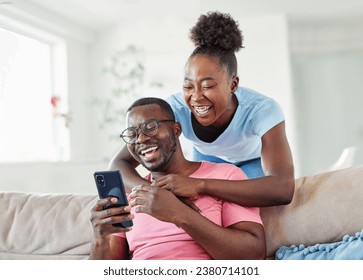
165, 227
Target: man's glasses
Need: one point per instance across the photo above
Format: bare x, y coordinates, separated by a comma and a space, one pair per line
149, 128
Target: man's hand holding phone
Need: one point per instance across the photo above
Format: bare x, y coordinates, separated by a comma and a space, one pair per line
103, 218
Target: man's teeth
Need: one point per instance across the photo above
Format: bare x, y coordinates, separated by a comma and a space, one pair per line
202, 109
148, 150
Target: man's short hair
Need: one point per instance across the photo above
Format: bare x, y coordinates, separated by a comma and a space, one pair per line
164, 106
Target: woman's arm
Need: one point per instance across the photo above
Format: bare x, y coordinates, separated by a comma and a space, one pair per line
276, 188
124, 162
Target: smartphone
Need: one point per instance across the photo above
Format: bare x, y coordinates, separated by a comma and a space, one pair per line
110, 184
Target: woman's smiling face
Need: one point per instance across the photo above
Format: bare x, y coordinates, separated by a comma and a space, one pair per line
207, 90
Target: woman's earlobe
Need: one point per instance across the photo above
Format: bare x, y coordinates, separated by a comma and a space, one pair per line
235, 82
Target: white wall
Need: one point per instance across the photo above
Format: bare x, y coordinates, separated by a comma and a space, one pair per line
327, 58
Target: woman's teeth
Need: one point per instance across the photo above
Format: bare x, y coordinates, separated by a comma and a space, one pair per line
202, 110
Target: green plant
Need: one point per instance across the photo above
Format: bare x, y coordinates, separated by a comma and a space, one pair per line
125, 71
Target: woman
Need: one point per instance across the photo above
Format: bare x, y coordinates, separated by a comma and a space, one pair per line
226, 123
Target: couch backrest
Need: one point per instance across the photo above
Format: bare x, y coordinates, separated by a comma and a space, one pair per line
325, 208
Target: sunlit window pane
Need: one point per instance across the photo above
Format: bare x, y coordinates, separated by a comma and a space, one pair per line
30, 127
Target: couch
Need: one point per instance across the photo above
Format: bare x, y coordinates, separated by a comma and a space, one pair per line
324, 220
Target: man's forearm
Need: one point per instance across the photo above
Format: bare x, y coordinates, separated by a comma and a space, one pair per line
100, 250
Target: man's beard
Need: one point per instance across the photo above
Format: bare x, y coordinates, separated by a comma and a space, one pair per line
165, 158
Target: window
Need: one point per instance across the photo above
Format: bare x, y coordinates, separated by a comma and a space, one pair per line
33, 100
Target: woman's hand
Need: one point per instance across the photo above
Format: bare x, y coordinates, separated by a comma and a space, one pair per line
157, 202
179, 185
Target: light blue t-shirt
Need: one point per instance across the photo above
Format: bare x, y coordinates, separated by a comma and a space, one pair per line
241, 141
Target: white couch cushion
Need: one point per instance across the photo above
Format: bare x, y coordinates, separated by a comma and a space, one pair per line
45, 226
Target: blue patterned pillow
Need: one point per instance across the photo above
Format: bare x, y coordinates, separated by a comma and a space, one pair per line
350, 248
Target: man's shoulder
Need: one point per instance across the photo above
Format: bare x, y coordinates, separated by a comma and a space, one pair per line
218, 165
214, 170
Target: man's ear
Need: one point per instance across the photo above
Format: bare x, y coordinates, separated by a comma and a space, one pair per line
234, 83
178, 129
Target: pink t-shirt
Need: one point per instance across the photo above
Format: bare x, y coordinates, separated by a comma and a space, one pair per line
154, 239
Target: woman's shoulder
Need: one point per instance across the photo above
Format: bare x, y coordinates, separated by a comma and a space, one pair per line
176, 100
180, 109
248, 94
253, 99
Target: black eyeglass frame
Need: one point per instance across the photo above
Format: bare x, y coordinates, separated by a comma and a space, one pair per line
142, 128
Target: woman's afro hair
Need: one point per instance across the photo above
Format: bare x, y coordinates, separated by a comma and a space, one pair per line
217, 31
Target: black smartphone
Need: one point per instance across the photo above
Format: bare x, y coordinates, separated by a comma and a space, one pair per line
110, 184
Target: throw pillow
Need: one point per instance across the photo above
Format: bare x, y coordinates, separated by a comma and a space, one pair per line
350, 248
